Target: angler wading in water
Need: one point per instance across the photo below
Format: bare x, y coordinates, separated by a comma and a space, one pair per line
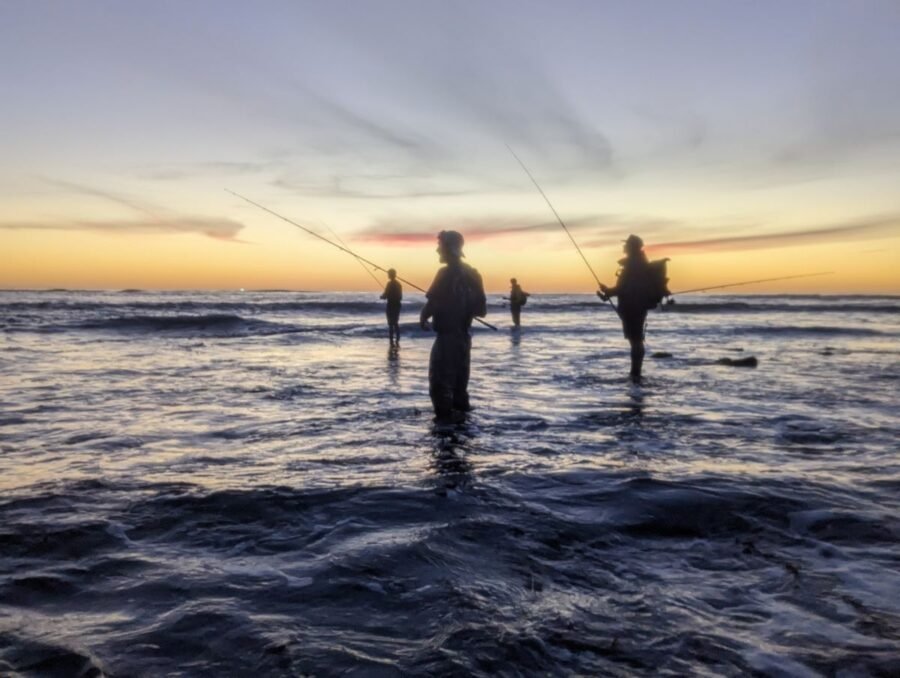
393, 293
517, 299
640, 286
455, 298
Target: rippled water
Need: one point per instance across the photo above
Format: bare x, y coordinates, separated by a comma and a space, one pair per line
249, 484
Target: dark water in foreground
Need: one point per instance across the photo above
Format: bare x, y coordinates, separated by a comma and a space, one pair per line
248, 484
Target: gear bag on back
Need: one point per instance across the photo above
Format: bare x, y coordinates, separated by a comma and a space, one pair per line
657, 286
643, 284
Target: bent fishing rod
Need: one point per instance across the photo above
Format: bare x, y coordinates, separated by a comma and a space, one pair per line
753, 282
340, 247
561, 222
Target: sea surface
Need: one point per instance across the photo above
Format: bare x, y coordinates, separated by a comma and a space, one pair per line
250, 484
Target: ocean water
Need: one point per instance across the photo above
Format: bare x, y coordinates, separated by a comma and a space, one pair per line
250, 485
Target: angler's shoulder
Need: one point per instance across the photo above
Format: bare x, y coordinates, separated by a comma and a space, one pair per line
439, 281
471, 272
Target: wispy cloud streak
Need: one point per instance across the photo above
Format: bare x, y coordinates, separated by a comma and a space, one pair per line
219, 229
109, 196
601, 228
214, 168
150, 219
866, 229
373, 187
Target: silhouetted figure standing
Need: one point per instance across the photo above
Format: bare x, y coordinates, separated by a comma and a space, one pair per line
455, 297
393, 292
639, 287
517, 299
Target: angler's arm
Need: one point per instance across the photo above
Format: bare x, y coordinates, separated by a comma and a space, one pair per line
425, 315
428, 309
481, 307
480, 298
606, 292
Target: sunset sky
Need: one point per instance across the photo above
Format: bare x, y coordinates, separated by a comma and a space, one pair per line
743, 140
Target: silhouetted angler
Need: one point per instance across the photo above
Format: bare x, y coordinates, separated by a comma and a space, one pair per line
517, 299
455, 297
640, 286
393, 292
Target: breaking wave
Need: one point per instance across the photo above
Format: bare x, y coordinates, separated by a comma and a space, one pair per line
223, 325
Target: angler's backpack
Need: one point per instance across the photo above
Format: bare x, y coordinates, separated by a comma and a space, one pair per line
657, 283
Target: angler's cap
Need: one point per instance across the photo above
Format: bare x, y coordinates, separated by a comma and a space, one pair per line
392, 273
452, 241
634, 241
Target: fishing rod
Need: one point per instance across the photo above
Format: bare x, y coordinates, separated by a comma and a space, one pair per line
362, 265
753, 282
561, 222
340, 247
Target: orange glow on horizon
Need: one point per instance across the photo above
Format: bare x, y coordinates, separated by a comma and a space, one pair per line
77, 260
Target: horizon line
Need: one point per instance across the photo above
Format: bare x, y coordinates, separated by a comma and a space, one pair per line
229, 290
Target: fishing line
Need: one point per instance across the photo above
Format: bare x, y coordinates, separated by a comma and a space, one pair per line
340, 247
753, 282
561, 222
364, 267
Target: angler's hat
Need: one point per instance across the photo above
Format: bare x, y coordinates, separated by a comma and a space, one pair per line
453, 241
634, 241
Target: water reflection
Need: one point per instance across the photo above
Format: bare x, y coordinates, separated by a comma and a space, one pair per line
515, 338
633, 416
449, 452
248, 459
393, 367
